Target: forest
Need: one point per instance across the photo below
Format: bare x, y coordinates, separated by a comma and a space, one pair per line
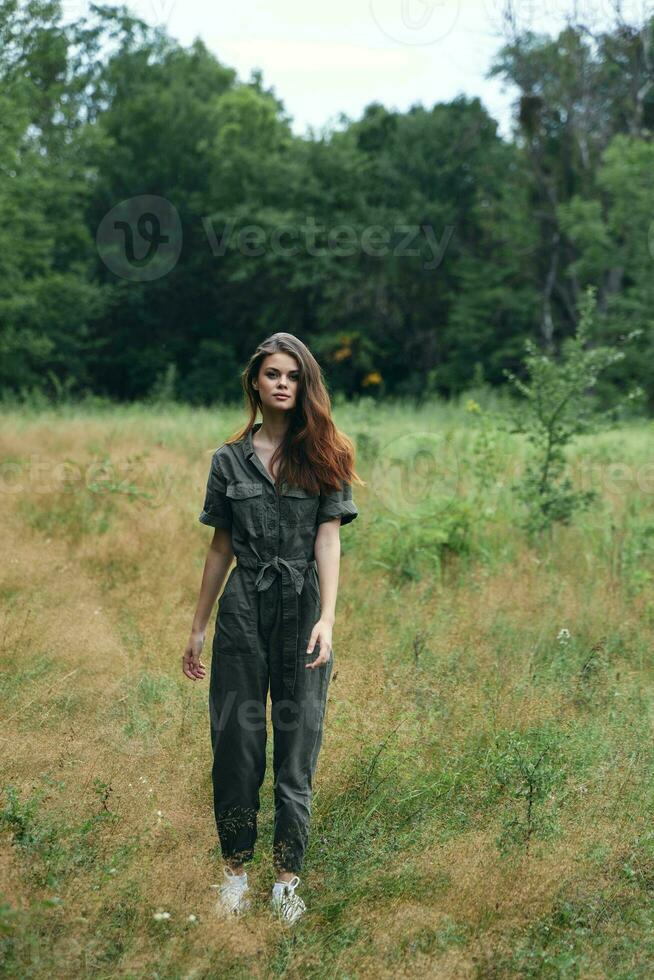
160, 217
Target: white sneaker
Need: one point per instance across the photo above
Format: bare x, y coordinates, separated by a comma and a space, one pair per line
285, 903
233, 898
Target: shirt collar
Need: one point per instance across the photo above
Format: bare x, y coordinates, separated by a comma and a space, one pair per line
248, 446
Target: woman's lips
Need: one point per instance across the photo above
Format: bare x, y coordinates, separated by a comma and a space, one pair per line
282, 396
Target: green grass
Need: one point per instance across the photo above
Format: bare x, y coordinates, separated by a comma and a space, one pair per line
483, 800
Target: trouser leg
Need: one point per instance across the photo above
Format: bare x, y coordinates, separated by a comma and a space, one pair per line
297, 733
238, 692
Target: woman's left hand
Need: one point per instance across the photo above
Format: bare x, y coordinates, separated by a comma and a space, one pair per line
321, 634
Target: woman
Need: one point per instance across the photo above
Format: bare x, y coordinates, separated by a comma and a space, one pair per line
276, 496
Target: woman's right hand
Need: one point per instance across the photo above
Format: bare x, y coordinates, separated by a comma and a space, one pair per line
192, 666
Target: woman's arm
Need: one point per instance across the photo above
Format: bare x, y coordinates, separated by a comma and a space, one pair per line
327, 552
218, 561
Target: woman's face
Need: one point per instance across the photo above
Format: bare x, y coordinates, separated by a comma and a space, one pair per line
279, 375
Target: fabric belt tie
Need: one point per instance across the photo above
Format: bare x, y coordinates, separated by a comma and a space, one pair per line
292, 571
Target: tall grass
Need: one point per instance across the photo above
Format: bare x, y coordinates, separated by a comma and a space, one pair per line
483, 801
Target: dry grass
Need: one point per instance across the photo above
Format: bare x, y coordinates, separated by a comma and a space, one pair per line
99, 718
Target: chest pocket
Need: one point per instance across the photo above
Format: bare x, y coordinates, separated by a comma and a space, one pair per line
298, 508
247, 506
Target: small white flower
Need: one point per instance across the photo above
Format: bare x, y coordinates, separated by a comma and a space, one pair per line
192, 918
159, 813
563, 635
160, 916
112, 871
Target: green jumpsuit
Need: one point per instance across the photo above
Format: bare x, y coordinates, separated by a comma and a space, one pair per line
266, 612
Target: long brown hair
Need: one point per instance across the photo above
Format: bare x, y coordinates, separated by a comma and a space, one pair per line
314, 454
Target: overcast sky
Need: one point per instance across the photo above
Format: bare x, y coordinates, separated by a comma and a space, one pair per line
324, 58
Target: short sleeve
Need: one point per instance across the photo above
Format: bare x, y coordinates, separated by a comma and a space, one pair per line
217, 510
337, 503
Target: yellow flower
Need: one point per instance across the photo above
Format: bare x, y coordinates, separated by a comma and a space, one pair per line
372, 378
472, 406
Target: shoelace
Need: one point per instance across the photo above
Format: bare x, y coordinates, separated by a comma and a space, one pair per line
232, 892
288, 904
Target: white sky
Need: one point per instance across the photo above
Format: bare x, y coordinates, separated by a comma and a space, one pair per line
325, 58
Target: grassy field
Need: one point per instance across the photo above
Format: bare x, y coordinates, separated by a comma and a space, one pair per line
484, 794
